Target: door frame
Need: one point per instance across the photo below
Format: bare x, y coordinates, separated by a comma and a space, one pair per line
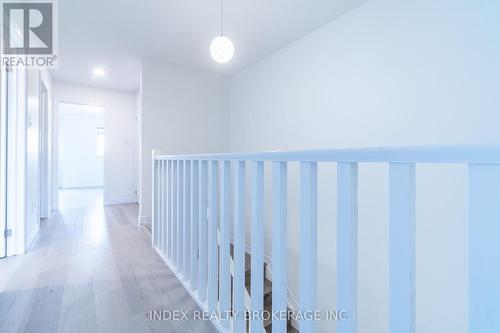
3, 160
56, 166
17, 122
137, 154
43, 150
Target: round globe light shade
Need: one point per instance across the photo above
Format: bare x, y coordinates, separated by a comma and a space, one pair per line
221, 49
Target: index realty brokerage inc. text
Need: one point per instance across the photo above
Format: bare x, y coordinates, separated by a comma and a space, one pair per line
176, 315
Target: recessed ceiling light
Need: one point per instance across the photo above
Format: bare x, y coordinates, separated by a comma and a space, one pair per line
98, 72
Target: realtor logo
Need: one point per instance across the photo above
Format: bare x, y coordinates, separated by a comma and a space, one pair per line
29, 33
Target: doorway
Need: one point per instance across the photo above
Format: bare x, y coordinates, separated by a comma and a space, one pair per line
81, 147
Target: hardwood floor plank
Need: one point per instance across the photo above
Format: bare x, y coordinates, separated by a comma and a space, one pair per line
44, 310
91, 269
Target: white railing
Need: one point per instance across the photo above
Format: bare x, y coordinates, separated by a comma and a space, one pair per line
190, 208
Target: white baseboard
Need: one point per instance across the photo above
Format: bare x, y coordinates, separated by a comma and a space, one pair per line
119, 201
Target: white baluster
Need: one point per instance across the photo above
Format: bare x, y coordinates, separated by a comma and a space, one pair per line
158, 202
213, 223
175, 211
279, 245
308, 246
484, 248
160, 205
154, 201
224, 266
257, 245
194, 225
180, 215
402, 247
239, 247
187, 220
203, 224
163, 206
169, 209
347, 245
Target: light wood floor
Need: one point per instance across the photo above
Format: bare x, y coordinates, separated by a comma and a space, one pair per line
91, 269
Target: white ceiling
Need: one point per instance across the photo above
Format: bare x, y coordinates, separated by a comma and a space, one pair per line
116, 34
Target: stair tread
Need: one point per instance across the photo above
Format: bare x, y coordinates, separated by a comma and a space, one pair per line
248, 258
267, 292
268, 287
269, 307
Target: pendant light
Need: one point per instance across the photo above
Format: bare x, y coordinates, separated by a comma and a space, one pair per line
221, 48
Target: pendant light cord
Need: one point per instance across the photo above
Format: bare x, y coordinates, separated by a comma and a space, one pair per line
222, 17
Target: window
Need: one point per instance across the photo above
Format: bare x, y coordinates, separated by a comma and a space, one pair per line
100, 141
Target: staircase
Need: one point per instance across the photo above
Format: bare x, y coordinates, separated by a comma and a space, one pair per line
268, 293
192, 195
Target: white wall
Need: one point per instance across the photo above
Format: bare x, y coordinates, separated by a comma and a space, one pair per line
182, 111
388, 73
79, 164
118, 136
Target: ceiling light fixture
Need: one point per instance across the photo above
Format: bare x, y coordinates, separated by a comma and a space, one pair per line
221, 48
98, 72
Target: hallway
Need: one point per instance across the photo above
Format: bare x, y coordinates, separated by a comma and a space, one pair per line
91, 269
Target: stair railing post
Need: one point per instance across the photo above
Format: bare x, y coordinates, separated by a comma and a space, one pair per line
187, 221
484, 248
347, 246
180, 216
169, 209
213, 223
163, 208
308, 246
402, 247
224, 248
279, 247
239, 247
154, 197
175, 211
194, 225
203, 233
257, 247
